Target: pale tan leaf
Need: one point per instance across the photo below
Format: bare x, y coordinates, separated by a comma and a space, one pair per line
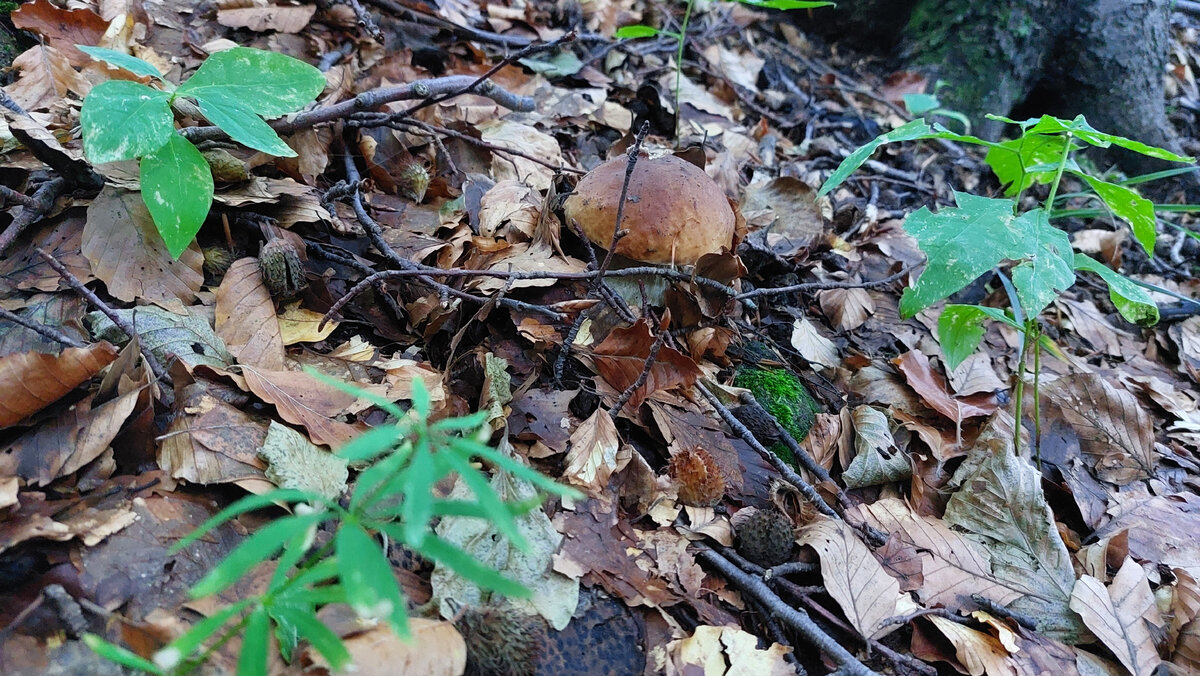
46, 78
953, 566
129, 256
295, 462
846, 308
1115, 432
32, 381
1001, 505
592, 456
725, 650
919, 374
785, 209
979, 653
301, 399
528, 140
245, 317
298, 325
813, 346
877, 460
975, 375
1090, 323
279, 18
435, 649
210, 441
853, 576
1118, 616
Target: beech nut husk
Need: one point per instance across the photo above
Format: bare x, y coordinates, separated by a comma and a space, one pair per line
674, 212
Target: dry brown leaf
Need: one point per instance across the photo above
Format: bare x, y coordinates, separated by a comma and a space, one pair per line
846, 308
785, 208
301, 399
282, 19
298, 325
725, 650
46, 78
245, 317
975, 375
932, 388
954, 567
1115, 432
435, 649
528, 140
130, 257
1090, 323
211, 442
1122, 616
621, 358
32, 381
978, 652
592, 456
853, 576
68, 442
23, 268
62, 28
813, 346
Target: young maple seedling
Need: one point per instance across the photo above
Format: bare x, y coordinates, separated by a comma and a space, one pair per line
235, 89
966, 242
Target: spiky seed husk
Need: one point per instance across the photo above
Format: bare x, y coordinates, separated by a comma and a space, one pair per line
700, 481
764, 537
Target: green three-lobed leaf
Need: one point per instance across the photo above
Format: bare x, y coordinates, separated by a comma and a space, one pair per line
965, 242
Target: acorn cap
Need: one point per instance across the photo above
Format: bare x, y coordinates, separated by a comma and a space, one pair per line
674, 212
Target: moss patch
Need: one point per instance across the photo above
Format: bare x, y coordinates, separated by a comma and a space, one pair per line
784, 396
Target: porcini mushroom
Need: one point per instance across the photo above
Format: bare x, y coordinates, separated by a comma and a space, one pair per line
674, 212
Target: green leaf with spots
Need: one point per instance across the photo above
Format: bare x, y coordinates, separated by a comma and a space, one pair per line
1013, 160
269, 84
965, 242
125, 120
1132, 301
241, 123
1048, 266
1130, 207
960, 328
1080, 129
121, 60
177, 188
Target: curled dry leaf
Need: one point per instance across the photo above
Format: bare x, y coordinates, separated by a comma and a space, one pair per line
1115, 432
1122, 616
622, 356
853, 576
932, 387
245, 317
592, 456
32, 381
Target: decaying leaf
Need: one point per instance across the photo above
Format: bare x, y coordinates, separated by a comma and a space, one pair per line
593, 451
1115, 432
852, 576
33, 380
1122, 616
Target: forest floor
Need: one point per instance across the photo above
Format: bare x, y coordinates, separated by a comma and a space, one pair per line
917, 540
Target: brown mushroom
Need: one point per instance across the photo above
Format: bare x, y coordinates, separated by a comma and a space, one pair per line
674, 212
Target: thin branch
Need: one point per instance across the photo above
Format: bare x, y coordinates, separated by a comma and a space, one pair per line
795, 618
626, 395
47, 332
160, 373
820, 286
43, 199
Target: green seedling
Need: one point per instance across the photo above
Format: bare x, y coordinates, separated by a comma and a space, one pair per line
235, 89
981, 234
394, 498
644, 31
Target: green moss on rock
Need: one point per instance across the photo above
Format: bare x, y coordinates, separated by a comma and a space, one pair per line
784, 396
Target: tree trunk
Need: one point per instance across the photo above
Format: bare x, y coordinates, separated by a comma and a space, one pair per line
1104, 59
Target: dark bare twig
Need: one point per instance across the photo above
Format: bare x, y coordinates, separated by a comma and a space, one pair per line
795, 618
560, 362
780, 466
819, 286
160, 373
530, 50
349, 261
391, 121
48, 332
634, 150
619, 404
792, 567
374, 98
7, 194
43, 199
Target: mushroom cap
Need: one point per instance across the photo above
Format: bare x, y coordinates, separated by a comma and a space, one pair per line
674, 212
